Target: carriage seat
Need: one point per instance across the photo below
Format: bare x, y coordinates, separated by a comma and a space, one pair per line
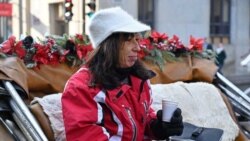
55, 129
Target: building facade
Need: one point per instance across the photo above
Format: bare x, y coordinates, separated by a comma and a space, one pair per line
222, 21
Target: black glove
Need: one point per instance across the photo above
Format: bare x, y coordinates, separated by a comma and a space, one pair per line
162, 130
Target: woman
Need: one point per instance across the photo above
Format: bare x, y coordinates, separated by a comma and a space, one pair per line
110, 97
220, 57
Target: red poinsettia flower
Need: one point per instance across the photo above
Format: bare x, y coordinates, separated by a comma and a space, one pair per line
88, 49
54, 58
63, 56
158, 37
50, 42
8, 45
141, 54
82, 50
19, 50
162, 46
196, 44
175, 42
41, 56
145, 43
79, 37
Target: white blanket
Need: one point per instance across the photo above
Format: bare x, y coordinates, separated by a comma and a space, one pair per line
201, 105
52, 106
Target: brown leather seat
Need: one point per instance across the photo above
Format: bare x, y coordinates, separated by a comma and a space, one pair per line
43, 120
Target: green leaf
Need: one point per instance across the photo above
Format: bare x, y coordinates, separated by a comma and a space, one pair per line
169, 56
2, 55
71, 57
158, 53
39, 40
157, 59
150, 59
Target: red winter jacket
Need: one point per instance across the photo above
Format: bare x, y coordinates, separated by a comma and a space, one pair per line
121, 114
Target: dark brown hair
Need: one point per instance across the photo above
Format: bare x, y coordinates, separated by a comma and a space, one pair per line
104, 61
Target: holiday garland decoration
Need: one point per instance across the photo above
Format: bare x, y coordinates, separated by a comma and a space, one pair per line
72, 50
50, 51
159, 48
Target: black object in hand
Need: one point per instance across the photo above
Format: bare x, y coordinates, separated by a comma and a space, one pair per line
162, 130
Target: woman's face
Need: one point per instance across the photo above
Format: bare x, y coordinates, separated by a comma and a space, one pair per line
128, 54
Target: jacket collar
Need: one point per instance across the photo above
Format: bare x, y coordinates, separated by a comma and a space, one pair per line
116, 93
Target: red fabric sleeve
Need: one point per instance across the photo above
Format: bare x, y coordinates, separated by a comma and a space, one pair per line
80, 113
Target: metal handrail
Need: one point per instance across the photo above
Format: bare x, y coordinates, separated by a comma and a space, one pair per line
247, 91
24, 109
237, 97
245, 61
237, 101
30, 133
233, 87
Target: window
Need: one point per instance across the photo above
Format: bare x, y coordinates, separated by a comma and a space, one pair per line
5, 28
220, 21
58, 26
146, 12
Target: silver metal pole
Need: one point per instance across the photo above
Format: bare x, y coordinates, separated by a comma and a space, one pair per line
8, 128
18, 100
23, 123
22, 127
245, 106
232, 86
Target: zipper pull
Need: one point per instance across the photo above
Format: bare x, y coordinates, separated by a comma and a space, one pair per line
118, 95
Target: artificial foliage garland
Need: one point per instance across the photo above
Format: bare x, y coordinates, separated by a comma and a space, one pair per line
159, 48
73, 50
52, 50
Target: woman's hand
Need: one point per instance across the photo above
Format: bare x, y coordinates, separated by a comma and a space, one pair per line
162, 130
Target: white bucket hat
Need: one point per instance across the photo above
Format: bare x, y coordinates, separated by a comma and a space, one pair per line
107, 21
